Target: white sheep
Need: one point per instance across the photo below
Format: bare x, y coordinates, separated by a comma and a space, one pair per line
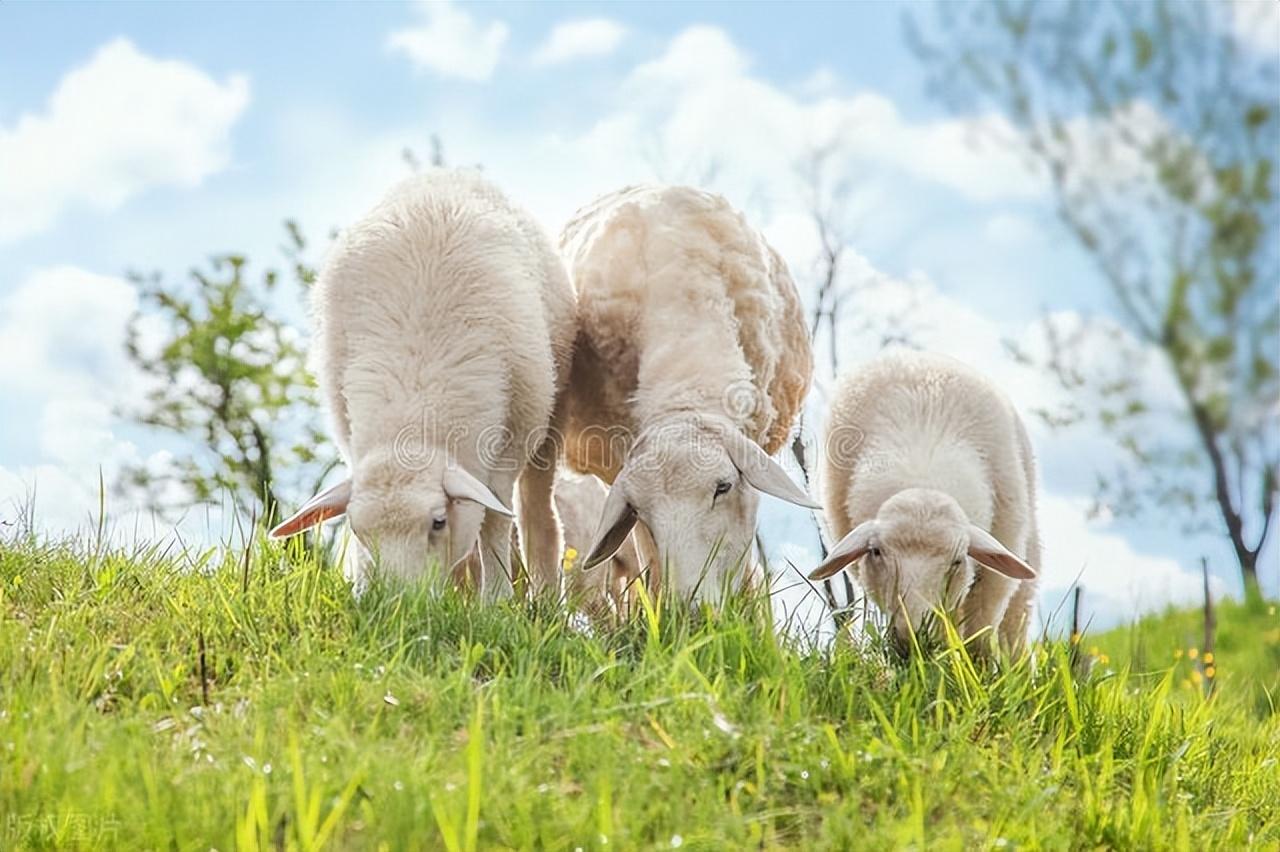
928, 470
691, 363
444, 325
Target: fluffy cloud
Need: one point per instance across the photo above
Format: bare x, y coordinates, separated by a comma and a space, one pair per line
451, 43
1118, 581
698, 104
62, 341
1256, 24
62, 330
114, 127
578, 39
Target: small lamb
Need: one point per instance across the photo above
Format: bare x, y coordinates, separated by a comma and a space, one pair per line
602, 591
929, 472
691, 363
444, 326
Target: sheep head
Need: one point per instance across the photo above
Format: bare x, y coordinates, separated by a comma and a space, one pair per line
694, 482
411, 521
919, 554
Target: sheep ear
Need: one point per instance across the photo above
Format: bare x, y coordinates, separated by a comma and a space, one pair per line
984, 548
330, 503
847, 551
763, 473
616, 521
460, 485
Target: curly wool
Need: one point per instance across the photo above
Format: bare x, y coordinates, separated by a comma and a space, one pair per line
682, 307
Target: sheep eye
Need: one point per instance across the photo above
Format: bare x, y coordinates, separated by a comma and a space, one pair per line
437, 524
875, 553
722, 487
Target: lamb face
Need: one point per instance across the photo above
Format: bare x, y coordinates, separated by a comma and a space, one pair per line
411, 523
409, 527
694, 483
917, 556
916, 561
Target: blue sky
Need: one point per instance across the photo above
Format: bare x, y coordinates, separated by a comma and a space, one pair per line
153, 135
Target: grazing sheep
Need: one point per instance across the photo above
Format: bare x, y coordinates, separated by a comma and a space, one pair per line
444, 332
928, 471
691, 363
601, 591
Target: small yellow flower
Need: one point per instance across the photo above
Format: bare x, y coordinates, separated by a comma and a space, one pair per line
1208, 658
1104, 659
1210, 671
1192, 653
1093, 651
1195, 676
570, 554
1177, 654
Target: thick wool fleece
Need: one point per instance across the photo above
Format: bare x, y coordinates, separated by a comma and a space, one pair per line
916, 420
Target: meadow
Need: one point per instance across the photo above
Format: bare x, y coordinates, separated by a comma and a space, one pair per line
247, 701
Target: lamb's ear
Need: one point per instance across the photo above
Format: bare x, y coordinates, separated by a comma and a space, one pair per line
984, 548
847, 551
460, 485
616, 521
763, 473
330, 503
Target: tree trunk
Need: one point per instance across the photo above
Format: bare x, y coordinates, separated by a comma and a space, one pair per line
1249, 574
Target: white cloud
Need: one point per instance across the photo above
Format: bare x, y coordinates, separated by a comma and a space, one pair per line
62, 335
1119, 581
120, 124
578, 39
698, 103
62, 330
451, 42
1256, 24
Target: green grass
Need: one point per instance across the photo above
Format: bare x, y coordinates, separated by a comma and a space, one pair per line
406, 721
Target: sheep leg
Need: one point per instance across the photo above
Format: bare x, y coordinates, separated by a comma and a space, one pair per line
540, 534
495, 556
1013, 629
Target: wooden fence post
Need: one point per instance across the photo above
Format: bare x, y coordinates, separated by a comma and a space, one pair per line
1208, 664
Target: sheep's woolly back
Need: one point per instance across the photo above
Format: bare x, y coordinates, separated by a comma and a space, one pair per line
915, 420
445, 308
683, 307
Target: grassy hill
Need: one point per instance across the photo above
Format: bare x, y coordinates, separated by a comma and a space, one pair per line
252, 703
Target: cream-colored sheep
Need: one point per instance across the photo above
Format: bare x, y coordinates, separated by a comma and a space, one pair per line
444, 326
692, 361
927, 471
